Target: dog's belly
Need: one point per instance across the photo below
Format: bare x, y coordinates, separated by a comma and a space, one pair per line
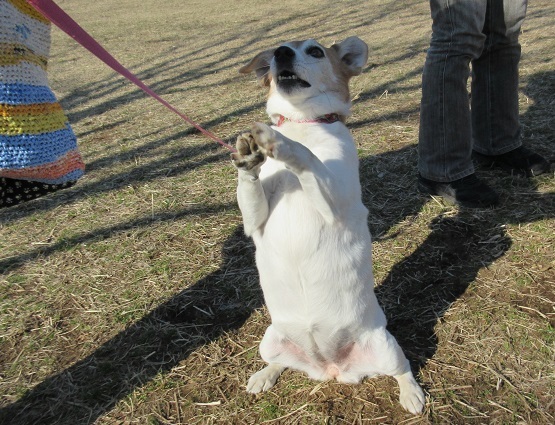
310, 268
345, 360
320, 281
317, 280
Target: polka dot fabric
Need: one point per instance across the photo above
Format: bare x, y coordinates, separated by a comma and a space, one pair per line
13, 192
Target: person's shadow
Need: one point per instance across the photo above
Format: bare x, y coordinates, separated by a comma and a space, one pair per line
419, 290
415, 294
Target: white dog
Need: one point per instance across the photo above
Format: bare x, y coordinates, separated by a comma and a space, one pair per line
300, 197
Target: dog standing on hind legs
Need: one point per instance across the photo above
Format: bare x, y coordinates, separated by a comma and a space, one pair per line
300, 198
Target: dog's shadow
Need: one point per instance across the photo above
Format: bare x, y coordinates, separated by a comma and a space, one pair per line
218, 303
421, 288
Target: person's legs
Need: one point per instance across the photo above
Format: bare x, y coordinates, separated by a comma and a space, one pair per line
496, 130
445, 141
495, 116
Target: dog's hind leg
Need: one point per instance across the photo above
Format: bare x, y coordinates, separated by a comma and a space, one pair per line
281, 353
394, 362
265, 379
271, 347
411, 395
379, 354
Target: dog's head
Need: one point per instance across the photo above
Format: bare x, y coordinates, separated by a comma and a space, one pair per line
306, 79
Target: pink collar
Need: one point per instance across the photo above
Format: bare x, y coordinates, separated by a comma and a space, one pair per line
326, 119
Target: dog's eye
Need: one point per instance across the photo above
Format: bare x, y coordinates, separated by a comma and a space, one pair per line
315, 52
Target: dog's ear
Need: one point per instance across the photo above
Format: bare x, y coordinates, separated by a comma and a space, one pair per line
353, 53
260, 64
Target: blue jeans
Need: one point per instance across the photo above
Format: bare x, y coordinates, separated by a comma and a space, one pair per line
484, 32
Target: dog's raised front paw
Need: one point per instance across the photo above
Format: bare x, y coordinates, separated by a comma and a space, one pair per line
264, 379
265, 138
248, 155
273, 143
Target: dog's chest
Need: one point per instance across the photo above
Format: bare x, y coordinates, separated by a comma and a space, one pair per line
292, 218
315, 135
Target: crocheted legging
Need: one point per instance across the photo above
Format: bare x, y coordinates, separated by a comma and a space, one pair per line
38, 149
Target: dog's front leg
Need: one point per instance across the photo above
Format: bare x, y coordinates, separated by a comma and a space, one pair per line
315, 178
250, 194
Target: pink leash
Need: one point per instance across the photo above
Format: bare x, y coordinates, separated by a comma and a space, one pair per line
63, 21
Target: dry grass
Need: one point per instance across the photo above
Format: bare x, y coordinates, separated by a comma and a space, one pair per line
132, 298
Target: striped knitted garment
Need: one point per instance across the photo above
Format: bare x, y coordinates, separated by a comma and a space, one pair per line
37, 143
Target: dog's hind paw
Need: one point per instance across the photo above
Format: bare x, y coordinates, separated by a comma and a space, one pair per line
248, 155
411, 395
264, 379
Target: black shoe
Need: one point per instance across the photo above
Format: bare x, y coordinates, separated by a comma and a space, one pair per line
520, 160
468, 192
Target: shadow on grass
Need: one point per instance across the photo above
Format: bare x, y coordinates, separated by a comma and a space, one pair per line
13, 262
429, 280
420, 289
218, 303
415, 295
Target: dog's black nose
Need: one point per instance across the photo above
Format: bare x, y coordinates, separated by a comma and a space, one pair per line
284, 54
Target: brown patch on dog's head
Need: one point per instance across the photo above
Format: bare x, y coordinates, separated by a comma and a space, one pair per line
260, 64
347, 59
306, 79
352, 54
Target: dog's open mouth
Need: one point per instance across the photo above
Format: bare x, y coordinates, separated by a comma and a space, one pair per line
289, 80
